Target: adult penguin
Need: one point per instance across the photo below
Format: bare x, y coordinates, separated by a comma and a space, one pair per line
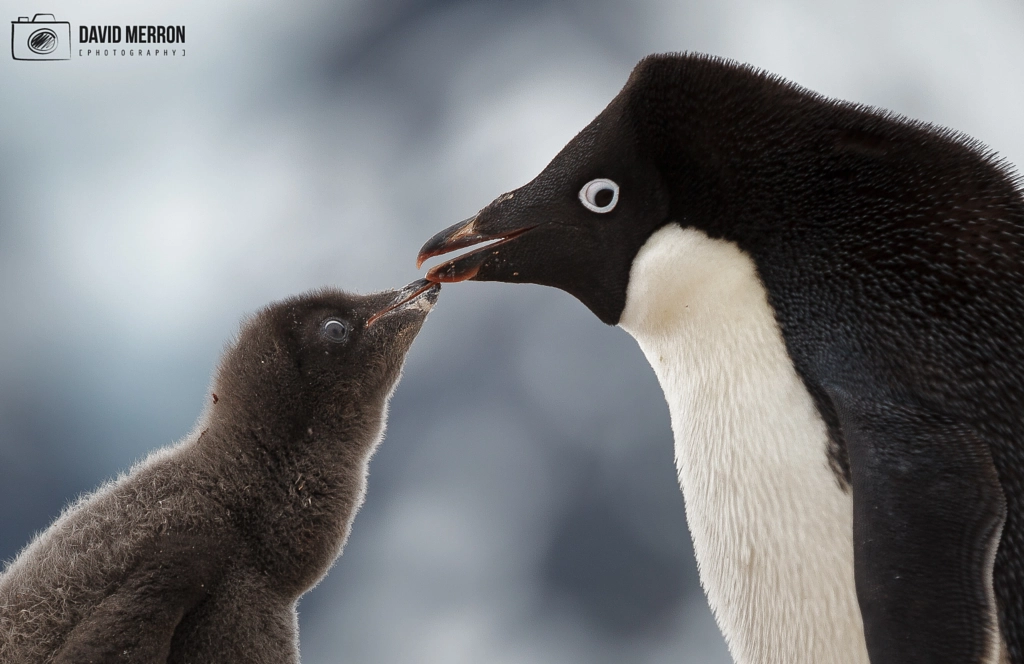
832, 297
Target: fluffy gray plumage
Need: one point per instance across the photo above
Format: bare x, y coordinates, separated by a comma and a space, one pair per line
200, 552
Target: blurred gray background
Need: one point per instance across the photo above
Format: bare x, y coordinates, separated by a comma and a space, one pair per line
523, 507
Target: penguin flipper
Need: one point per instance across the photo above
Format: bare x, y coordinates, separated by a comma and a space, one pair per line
137, 621
928, 510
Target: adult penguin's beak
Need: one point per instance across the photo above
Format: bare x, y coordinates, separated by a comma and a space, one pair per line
467, 233
523, 237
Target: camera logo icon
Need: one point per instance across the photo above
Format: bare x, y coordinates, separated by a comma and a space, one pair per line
42, 38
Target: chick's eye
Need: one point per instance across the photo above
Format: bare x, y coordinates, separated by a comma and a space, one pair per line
336, 330
600, 195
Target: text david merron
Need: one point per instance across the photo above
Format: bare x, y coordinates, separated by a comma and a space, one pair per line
133, 34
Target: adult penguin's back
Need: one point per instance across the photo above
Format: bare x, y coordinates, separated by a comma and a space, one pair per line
832, 298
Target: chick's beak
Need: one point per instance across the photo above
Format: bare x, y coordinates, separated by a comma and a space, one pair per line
421, 294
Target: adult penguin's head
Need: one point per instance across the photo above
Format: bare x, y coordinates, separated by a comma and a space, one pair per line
578, 225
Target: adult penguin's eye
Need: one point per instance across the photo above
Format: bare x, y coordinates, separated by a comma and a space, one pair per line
600, 195
335, 330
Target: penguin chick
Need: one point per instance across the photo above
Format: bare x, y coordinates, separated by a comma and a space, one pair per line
200, 553
831, 297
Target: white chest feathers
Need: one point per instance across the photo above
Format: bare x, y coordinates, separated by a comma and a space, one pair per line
771, 527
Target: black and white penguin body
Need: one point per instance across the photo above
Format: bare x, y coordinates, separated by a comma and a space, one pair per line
832, 298
201, 551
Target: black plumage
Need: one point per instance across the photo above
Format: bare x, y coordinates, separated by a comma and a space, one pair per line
891, 253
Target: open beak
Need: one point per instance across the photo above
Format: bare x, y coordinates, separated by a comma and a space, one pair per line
527, 241
461, 235
420, 293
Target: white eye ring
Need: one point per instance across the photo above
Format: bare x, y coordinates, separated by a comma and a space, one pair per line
589, 192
